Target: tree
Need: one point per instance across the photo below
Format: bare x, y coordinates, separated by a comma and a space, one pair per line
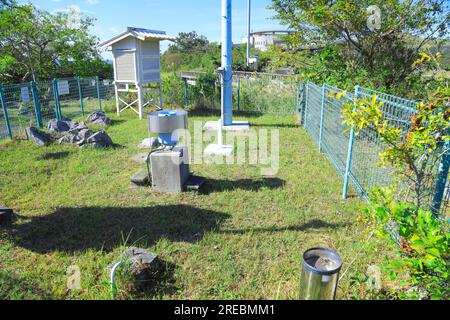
190, 42
35, 44
384, 40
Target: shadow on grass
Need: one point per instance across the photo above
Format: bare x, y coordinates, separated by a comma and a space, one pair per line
274, 125
14, 287
213, 186
162, 281
313, 224
203, 112
54, 155
78, 229
115, 122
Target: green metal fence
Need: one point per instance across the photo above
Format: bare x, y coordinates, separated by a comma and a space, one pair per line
356, 157
35, 103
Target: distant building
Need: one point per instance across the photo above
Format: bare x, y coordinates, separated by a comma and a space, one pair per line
262, 40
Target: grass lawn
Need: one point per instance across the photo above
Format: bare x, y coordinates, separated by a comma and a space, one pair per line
242, 237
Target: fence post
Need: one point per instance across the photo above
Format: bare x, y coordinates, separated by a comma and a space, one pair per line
239, 96
306, 103
322, 115
441, 182
37, 107
80, 93
97, 80
5, 111
57, 102
350, 153
186, 93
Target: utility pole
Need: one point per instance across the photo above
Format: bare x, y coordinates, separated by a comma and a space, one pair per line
248, 32
227, 64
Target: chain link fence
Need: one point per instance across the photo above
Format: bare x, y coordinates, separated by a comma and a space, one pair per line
356, 157
35, 103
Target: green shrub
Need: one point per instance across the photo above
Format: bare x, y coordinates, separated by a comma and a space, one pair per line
421, 243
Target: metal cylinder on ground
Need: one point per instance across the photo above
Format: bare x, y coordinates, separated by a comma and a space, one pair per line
320, 275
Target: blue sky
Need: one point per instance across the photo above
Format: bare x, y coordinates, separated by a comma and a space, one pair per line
172, 16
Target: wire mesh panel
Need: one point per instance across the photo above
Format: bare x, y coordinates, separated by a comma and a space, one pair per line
334, 141
313, 110
3, 128
20, 105
265, 93
325, 124
69, 98
47, 102
368, 146
90, 95
107, 94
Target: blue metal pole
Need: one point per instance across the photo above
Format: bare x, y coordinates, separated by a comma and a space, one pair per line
37, 107
322, 115
349, 154
441, 179
249, 31
5, 111
227, 62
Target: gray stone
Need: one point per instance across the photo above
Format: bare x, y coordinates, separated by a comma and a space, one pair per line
98, 118
149, 143
38, 137
100, 140
58, 126
142, 264
102, 122
65, 139
85, 134
141, 178
76, 127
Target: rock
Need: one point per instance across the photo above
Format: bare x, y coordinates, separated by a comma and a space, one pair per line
76, 127
85, 134
102, 122
58, 126
149, 143
141, 178
6, 215
98, 118
65, 139
100, 140
142, 264
38, 137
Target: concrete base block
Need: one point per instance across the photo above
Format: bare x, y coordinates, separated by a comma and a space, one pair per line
236, 126
141, 178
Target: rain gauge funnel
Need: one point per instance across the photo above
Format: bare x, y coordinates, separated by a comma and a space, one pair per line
320, 275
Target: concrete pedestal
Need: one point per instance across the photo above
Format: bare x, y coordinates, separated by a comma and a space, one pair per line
170, 170
236, 126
